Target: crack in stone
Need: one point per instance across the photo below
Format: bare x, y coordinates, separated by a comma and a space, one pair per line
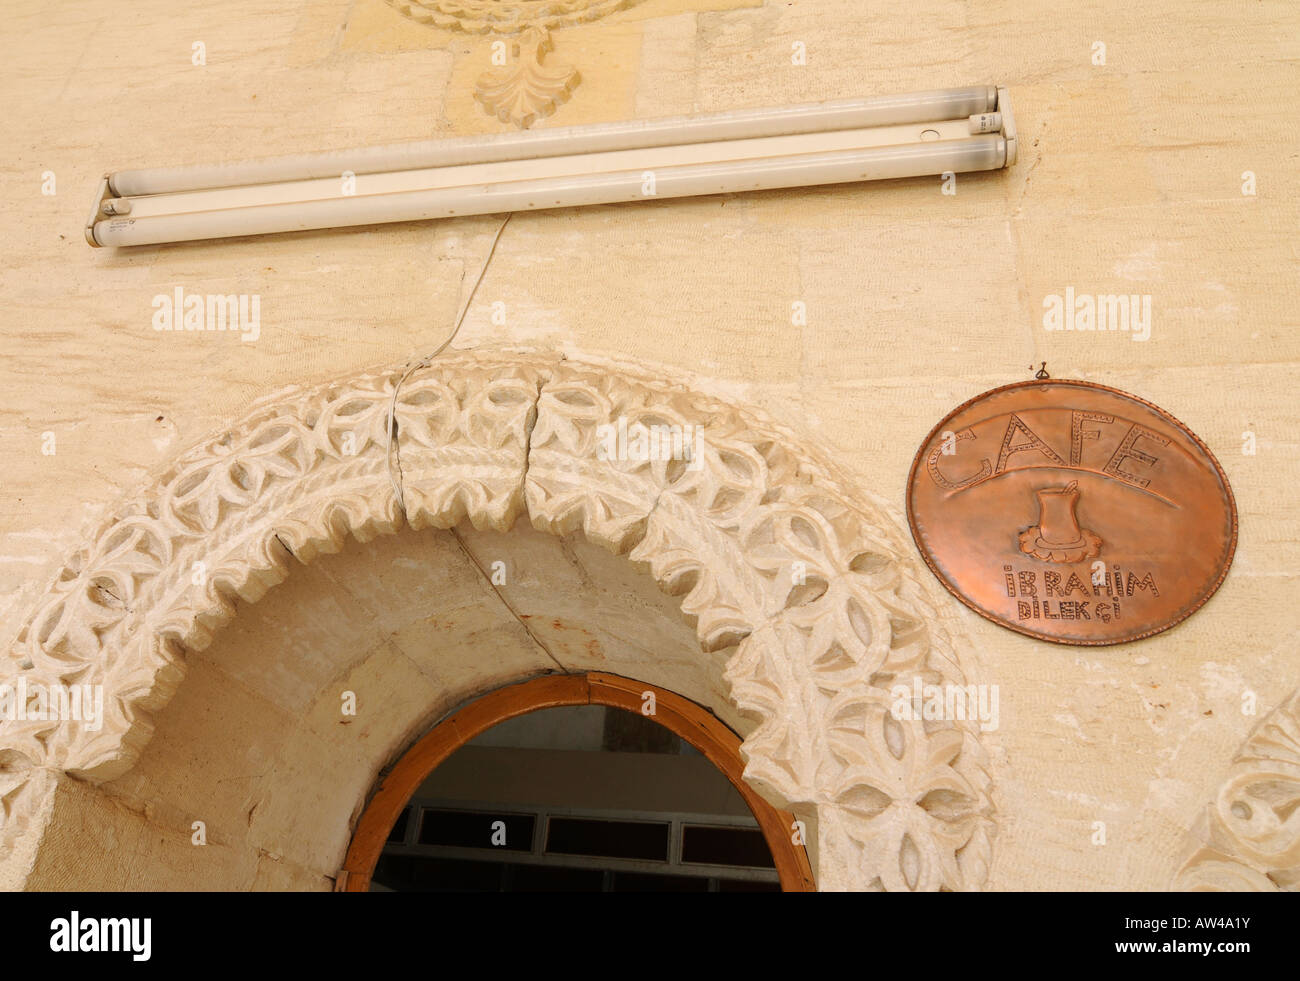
532, 634
393, 433
523, 491
528, 443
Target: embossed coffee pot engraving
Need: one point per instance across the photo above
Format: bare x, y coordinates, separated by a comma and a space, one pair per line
1057, 522
1057, 537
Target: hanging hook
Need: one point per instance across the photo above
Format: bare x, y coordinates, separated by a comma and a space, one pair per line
1041, 373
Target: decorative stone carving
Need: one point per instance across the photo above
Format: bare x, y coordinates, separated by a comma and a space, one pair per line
1253, 824
813, 593
506, 16
524, 90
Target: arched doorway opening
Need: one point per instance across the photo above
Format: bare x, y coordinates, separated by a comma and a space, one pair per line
697, 727
804, 611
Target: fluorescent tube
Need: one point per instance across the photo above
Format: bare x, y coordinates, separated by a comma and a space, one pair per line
824, 143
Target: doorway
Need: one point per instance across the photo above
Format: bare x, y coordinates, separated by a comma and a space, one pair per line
587, 782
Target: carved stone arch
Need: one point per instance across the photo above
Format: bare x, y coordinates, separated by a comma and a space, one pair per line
1251, 831
815, 589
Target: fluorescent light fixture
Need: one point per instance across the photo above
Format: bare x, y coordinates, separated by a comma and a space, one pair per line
925, 133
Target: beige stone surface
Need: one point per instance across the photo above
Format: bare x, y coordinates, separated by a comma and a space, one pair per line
1129, 179
256, 744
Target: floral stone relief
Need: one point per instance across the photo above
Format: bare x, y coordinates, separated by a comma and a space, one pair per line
522, 86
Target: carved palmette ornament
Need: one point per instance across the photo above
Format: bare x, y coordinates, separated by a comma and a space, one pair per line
810, 594
1252, 827
524, 89
506, 16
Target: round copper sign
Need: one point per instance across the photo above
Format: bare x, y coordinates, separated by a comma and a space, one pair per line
1072, 512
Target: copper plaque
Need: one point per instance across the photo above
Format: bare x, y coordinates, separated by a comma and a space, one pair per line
1072, 512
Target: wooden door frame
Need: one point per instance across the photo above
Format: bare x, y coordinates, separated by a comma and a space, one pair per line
688, 720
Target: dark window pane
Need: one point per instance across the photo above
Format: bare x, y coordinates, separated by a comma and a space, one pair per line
609, 839
475, 829
725, 846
